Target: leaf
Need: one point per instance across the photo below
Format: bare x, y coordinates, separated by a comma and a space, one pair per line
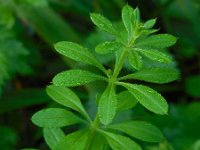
77, 53
107, 105
103, 23
99, 143
108, 47
140, 130
155, 75
150, 23
137, 14
75, 77
128, 19
125, 101
155, 55
147, 97
158, 41
54, 118
119, 142
52, 136
135, 60
66, 97
74, 141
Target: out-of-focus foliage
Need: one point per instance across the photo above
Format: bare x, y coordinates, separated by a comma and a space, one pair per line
29, 28
13, 55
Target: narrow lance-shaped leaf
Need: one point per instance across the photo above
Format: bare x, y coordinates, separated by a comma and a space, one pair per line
75, 77
99, 143
135, 60
155, 55
128, 19
159, 41
150, 23
103, 23
119, 142
147, 97
53, 136
137, 14
74, 141
66, 97
125, 101
107, 105
54, 118
139, 129
108, 47
155, 75
78, 53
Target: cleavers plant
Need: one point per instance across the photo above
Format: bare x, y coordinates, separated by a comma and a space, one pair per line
132, 41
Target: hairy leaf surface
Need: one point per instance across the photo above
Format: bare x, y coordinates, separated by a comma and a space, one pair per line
125, 101
75, 77
158, 41
107, 105
140, 129
74, 141
53, 136
77, 53
135, 60
103, 23
147, 97
128, 19
155, 55
119, 142
66, 97
108, 47
54, 117
155, 75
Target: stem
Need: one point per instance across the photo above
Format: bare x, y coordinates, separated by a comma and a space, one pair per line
92, 133
120, 63
123, 56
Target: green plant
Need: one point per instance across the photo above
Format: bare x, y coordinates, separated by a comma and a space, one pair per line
132, 39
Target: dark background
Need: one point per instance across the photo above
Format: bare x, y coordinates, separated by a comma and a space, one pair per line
28, 62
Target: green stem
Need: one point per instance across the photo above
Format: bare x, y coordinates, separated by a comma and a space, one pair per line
94, 126
120, 63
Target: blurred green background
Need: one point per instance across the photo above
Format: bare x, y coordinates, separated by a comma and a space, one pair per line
28, 62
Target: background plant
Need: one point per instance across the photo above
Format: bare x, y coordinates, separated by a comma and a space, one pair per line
131, 40
39, 24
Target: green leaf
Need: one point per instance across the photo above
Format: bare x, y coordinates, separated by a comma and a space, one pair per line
148, 97
125, 101
155, 75
66, 97
135, 60
155, 55
107, 105
78, 53
75, 77
140, 130
119, 142
150, 23
53, 136
99, 143
54, 118
108, 47
74, 141
158, 41
103, 23
128, 19
137, 14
